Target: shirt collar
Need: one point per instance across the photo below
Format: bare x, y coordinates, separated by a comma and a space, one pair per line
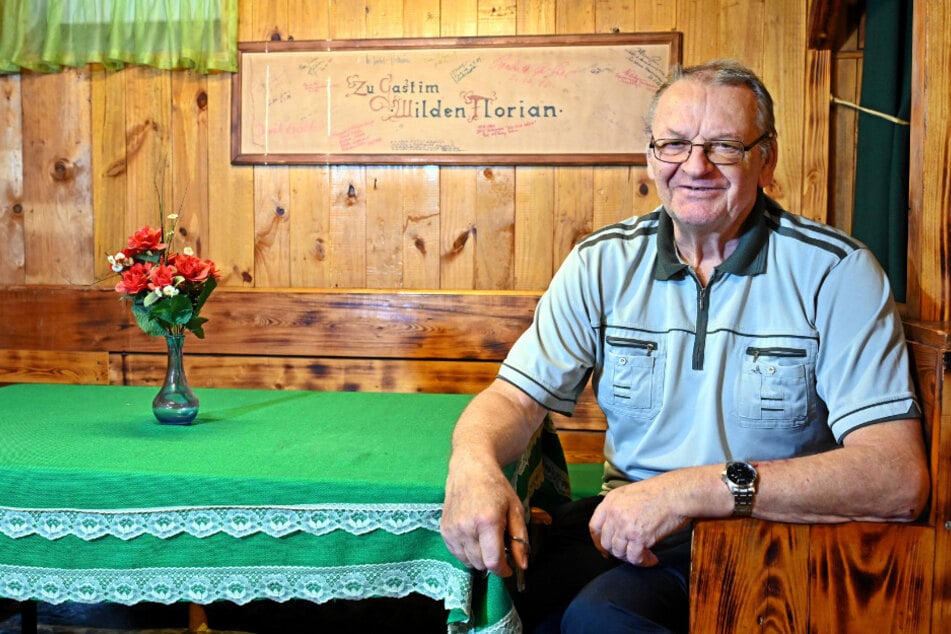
749, 257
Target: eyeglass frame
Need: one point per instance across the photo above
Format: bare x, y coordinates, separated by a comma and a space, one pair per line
706, 148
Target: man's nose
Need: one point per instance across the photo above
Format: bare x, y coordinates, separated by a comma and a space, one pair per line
697, 162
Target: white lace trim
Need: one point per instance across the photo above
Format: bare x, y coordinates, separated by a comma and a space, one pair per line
430, 577
241, 521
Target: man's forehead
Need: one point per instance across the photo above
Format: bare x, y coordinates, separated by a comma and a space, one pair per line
722, 109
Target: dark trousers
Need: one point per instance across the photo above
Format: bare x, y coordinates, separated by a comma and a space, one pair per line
570, 587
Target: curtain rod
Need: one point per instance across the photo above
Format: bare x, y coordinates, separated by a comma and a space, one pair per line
876, 113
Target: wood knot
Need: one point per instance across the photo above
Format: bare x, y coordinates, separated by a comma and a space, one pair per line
460, 242
488, 174
643, 188
202, 100
275, 36
420, 245
17, 208
246, 277
63, 170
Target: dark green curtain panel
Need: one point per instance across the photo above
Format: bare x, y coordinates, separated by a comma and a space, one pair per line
880, 219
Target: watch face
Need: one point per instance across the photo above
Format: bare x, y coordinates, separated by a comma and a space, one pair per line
741, 473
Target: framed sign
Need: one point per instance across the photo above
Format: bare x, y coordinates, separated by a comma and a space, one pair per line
569, 100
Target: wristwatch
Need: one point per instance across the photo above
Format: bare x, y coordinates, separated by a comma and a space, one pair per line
740, 477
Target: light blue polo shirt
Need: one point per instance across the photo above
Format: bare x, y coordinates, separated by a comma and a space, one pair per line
794, 342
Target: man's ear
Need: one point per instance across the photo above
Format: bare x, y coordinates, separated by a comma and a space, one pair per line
769, 165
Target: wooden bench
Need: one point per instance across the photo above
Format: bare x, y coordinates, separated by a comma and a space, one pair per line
313, 340
748, 575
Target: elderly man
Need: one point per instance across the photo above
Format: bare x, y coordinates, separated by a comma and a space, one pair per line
748, 361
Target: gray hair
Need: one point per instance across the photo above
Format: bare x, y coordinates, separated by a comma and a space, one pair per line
721, 72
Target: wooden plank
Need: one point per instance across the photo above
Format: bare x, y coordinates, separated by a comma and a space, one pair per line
109, 174
574, 204
421, 18
348, 227
574, 16
494, 232
847, 79
57, 187
749, 575
800, 169
316, 373
149, 155
613, 195
271, 226
231, 200
929, 289
384, 233
535, 17
420, 205
53, 366
815, 170
655, 15
12, 266
701, 31
190, 173
867, 574
457, 186
309, 230
534, 262
412, 325
941, 487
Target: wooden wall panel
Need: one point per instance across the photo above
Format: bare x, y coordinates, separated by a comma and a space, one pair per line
473, 227
57, 183
12, 268
929, 271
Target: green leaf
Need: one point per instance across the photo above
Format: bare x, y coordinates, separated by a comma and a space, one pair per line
175, 310
210, 285
146, 322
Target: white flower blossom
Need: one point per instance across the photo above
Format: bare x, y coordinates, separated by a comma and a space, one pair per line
188, 251
169, 291
119, 261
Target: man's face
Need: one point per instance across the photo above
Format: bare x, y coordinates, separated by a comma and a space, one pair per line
698, 194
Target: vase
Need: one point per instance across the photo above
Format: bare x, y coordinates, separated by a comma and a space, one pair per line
175, 404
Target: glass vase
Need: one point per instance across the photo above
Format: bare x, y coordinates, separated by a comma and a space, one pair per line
175, 404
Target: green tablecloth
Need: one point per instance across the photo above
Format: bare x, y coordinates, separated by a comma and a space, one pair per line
270, 494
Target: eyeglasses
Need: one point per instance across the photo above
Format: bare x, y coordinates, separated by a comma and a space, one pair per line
719, 152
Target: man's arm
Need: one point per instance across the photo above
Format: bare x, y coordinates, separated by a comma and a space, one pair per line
879, 474
480, 505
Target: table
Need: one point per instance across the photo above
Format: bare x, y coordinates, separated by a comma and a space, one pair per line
269, 495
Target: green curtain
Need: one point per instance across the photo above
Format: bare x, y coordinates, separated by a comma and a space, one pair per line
880, 219
45, 35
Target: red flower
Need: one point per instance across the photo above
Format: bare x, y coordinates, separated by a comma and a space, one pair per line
134, 279
145, 239
161, 276
193, 268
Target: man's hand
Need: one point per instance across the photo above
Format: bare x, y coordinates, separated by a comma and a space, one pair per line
634, 517
479, 508
481, 511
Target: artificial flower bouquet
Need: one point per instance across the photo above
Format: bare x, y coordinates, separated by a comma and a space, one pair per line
167, 290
